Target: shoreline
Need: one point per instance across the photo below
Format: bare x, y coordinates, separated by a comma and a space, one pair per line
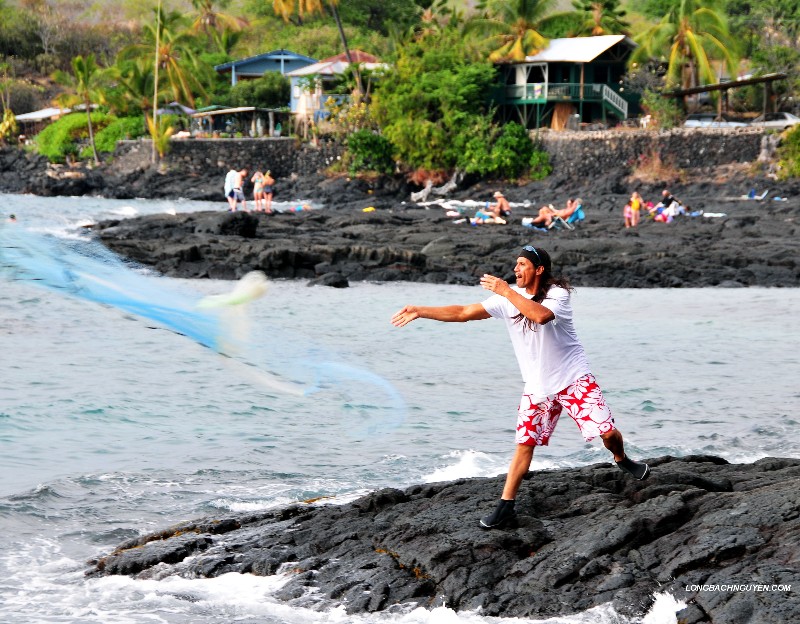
584, 537
753, 244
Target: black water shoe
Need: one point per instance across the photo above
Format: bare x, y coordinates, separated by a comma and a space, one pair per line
503, 513
638, 470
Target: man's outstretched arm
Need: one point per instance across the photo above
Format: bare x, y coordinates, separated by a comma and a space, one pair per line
448, 314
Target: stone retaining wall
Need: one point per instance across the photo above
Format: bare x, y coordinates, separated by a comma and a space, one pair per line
571, 153
214, 157
583, 154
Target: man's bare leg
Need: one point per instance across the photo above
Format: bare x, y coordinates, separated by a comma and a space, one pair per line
520, 464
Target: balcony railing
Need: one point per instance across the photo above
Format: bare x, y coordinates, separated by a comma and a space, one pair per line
541, 92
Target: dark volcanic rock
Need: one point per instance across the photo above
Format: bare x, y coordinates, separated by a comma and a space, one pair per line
584, 537
753, 245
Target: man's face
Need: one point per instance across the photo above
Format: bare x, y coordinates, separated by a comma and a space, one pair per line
526, 272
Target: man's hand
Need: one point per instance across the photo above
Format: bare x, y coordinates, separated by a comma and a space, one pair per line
495, 284
405, 316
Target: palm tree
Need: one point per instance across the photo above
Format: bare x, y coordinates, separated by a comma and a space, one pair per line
84, 88
512, 27
692, 35
601, 17
286, 8
161, 131
137, 84
226, 39
175, 58
213, 22
8, 122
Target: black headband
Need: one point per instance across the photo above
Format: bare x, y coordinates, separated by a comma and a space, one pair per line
529, 252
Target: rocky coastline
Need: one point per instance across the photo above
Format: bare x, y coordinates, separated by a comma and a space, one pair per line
745, 243
586, 536
724, 538
754, 244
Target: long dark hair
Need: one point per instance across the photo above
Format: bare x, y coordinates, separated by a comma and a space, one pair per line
540, 258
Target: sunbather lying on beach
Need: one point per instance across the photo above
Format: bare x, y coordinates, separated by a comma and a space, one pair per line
548, 213
486, 217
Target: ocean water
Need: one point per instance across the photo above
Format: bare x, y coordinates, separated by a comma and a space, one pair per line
111, 426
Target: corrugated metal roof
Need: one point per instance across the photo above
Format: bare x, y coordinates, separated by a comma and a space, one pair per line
577, 49
238, 109
45, 113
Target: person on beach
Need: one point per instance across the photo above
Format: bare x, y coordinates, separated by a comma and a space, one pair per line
627, 215
636, 207
671, 204
234, 181
258, 190
548, 213
269, 191
482, 216
538, 315
501, 207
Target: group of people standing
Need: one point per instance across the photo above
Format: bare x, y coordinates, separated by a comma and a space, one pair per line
263, 190
664, 211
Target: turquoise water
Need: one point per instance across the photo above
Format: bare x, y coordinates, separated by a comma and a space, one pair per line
110, 426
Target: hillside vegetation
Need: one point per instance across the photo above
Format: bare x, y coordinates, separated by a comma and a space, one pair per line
101, 53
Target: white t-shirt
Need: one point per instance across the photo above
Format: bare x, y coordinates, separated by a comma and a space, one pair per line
551, 357
230, 180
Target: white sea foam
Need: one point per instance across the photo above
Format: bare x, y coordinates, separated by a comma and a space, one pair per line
465, 464
664, 609
470, 463
129, 430
125, 211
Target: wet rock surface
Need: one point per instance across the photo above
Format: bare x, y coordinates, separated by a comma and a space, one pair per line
723, 537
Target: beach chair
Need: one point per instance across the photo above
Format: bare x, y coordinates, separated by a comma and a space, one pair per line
577, 216
558, 223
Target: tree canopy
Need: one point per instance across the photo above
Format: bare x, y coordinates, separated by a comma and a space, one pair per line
431, 99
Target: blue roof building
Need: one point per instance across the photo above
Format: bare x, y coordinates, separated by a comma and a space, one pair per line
283, 61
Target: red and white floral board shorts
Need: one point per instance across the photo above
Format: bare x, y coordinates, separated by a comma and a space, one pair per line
582, 400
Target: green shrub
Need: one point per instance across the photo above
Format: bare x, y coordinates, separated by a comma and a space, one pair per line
512, 151
505, 152
789, 154
121, 129
61, 137
475, 155
368, 151
272, 90
428, 102
665, 112
540, 166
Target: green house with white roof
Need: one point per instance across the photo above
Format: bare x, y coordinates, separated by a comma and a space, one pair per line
573, 81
